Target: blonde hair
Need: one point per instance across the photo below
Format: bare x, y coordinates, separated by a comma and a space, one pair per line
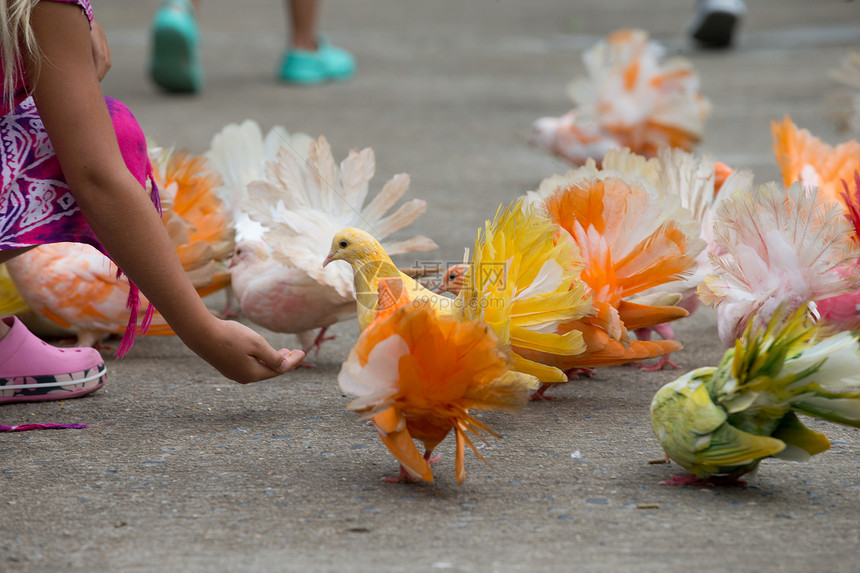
16, 41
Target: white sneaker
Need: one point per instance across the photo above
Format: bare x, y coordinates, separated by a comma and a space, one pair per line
715, 22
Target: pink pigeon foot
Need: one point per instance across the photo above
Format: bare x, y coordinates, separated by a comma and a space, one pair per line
308, 346
317, 343
574, 373
710, 481
664, 330
661, 364
403, 477
540, 393
666, 333
228, 311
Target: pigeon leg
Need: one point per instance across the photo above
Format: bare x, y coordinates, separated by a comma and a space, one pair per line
431, 459
662, 362
540, 393
403, 477
574, 373
666, 332
710, 481
317, 343
228, 311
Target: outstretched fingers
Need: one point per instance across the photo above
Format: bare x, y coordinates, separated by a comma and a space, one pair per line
290, 359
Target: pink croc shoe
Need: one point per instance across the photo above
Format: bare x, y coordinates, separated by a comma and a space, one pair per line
32, 370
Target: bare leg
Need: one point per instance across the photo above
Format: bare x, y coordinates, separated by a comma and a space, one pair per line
643, 334
309, 59
8, 256
664, 330
572, 374
303, 23
12, 253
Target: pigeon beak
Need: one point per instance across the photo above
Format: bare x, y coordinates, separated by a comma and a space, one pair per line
328, 259
440, 289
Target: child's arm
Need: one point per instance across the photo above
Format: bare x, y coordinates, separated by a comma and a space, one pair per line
72, 107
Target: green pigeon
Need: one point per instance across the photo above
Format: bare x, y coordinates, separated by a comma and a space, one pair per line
719, 423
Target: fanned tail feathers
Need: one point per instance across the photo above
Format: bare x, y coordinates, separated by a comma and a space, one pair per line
629, 243
195, 217
239, 153
777, 247
803, 157
303, 201
523, 281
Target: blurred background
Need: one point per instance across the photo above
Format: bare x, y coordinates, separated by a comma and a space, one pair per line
447, 90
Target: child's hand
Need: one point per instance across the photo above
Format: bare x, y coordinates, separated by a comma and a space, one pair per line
241, 354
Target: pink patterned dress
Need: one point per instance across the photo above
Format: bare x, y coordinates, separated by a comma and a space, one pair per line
36, 203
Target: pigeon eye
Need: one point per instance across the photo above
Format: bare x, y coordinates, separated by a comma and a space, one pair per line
452, 276
343, 244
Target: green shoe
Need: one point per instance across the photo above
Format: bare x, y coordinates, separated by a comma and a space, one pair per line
175, 64
327, 63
